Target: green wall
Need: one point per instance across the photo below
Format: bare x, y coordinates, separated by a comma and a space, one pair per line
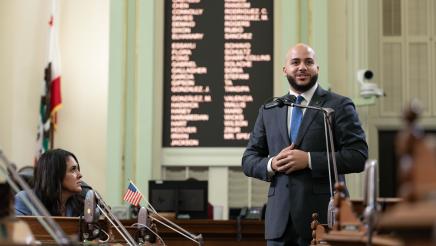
135, 80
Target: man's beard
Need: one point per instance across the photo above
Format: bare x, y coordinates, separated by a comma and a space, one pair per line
302, 88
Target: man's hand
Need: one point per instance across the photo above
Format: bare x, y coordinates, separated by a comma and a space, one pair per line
290, 160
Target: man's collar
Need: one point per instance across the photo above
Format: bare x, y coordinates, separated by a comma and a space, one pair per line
307, 94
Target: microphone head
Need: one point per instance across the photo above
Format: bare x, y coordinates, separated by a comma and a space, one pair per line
281, 101
290, 98
143, 217
90, 207
276, 102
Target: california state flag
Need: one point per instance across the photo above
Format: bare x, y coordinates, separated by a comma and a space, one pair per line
51, 100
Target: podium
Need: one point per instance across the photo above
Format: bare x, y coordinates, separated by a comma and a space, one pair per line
414, 220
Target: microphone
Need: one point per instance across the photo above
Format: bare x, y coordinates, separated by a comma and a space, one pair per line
290, 101
174, 227
276, 102
144, 227
91, 216
90, 207
107, 212
280, 101
370, 197
330, 152
143, 217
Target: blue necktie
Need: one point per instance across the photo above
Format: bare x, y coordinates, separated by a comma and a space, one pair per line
297, 115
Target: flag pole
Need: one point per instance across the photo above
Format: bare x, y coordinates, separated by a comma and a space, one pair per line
55, 76
50, 58
51, 135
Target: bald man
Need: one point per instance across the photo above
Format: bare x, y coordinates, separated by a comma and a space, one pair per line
287, 148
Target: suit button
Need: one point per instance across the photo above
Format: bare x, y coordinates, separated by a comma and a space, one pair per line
287, 185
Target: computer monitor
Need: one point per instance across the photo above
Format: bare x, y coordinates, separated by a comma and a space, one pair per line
187, 198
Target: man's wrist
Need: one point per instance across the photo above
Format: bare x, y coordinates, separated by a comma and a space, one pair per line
270, 167
309, 162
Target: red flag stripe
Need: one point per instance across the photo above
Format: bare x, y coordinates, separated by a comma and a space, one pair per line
132, 197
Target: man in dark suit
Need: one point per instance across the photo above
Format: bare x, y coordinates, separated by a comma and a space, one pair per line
287, 148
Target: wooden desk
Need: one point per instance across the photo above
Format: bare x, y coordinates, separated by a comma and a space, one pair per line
412, 222
70, 225
385, 203
215, 232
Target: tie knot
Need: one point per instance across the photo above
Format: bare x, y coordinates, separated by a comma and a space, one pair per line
299, 99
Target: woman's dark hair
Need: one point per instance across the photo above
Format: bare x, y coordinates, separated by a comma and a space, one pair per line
47, 180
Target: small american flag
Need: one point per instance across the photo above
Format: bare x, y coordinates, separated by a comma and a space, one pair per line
132, 196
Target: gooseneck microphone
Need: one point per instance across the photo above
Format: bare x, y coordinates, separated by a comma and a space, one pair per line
91, 215
90, 207
370, 197
330, 153
107, 212
93, 206
145, 230
280, 101
174, 227
289, 100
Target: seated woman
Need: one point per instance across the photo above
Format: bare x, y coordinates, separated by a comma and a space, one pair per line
57, 183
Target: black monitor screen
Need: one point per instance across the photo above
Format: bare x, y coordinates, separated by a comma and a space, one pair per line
187, 198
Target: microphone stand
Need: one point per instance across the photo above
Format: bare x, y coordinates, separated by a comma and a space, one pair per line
370, 197
174, 227
107, 212
330, 150
33, 203
171, 225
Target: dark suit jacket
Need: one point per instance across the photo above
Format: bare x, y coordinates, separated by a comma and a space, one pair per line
306, 191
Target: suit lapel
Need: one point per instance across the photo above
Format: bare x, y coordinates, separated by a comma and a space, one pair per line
283, 123
317, 100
